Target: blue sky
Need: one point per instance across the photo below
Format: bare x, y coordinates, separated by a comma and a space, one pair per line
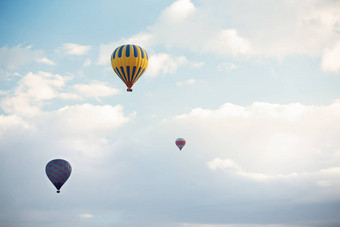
253, 87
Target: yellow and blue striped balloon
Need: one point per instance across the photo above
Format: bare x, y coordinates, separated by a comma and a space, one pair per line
129, 62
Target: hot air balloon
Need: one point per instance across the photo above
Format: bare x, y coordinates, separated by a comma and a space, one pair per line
180, 142
58, 171
129, 62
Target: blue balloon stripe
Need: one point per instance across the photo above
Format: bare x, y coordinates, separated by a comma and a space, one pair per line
127, 51
133, 73
128, 72
118, 73
141, 50
135, 51
120, 51
114, 53
140, 68
140, 75
122, 70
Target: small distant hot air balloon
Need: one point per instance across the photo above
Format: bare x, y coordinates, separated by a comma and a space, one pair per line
129, 62
180, 142
58, 171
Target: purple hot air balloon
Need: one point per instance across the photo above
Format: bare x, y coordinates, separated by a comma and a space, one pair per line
180, 142
58, 171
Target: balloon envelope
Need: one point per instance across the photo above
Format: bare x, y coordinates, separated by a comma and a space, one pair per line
129, 62
180, 142
58, 171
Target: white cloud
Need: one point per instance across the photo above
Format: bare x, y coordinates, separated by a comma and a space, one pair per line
331, 59
13, 57
232, 167
179, 11
218, 163
323, 177
12, 123
83, 129
182, 25
33, 89
75, 49
231, 28
87, 215
186, 82
266, 141
164, 64
87, 119
95, 89
73, 130
229, 41
41, 86
45, 61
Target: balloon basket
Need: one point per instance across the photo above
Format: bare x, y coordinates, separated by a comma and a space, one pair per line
129, 90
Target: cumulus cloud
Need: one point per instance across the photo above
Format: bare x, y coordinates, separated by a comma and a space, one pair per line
164, 64
82, 128
179, 10
253, 150
268, 141
181, 25
32, 90
12, 123
232, 167
87, 118
35, 89
45, 61
325, 178
231, 28
11, 58
75, 49
218, 163
331, 59
95, 89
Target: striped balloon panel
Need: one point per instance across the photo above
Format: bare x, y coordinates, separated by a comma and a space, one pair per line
129, 62
180, 142
58, 171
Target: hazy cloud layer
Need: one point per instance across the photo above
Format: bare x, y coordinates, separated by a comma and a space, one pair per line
261, 152
241, 30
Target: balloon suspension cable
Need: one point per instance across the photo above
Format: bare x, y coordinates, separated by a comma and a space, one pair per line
129, 89
58, 191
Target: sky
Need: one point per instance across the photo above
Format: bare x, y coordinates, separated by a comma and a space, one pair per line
253, 87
